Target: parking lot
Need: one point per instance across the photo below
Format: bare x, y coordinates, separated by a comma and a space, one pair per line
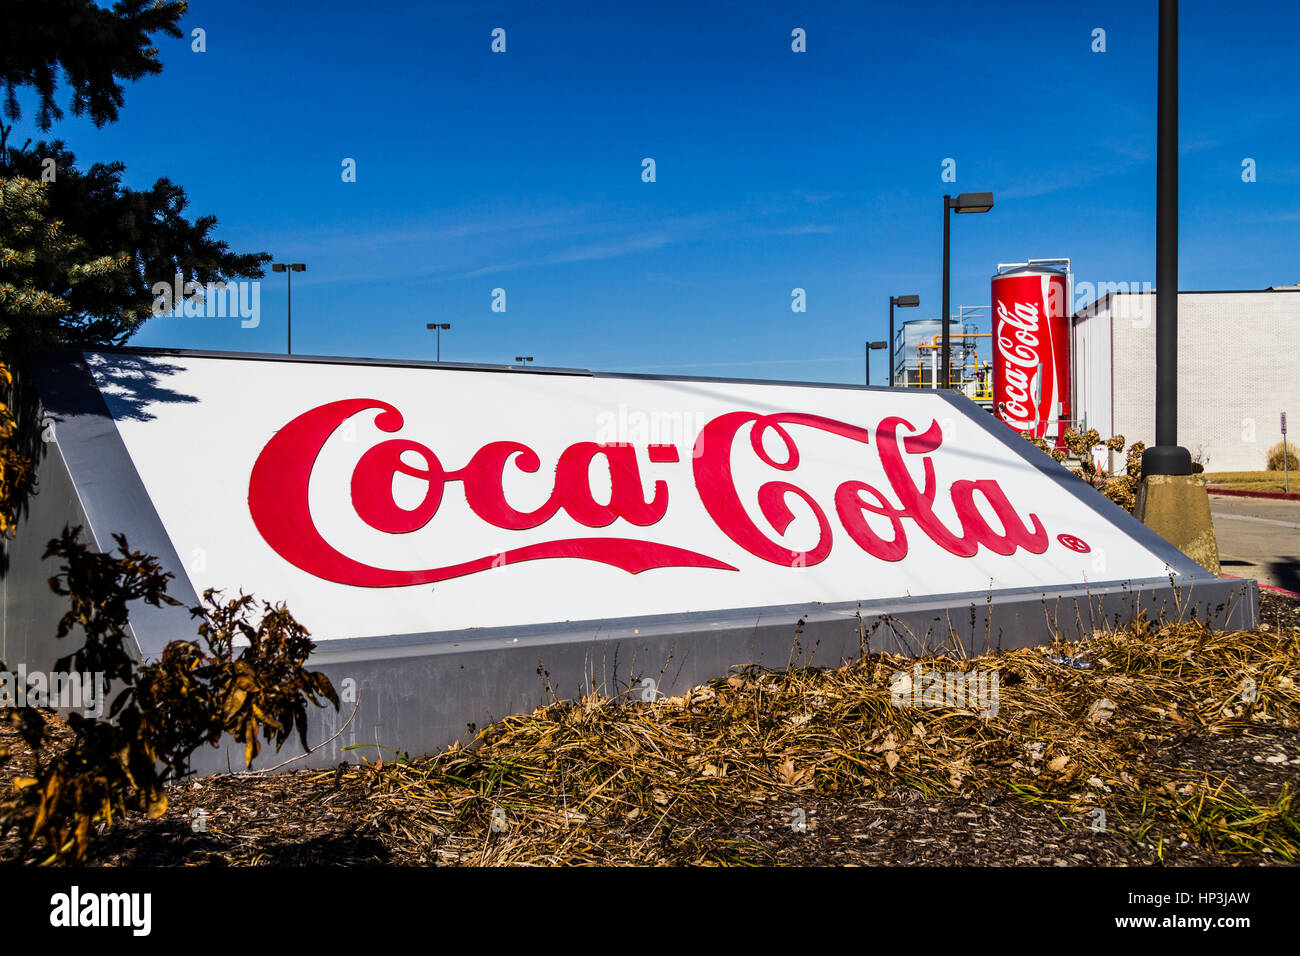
1259, 538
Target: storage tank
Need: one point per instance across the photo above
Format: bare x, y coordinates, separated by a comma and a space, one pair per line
919, 360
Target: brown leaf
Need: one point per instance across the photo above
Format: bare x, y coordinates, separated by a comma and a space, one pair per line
234, 702
789, 776
1101, 711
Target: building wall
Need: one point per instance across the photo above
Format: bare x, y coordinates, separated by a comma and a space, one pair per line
1091, 406
1238, 368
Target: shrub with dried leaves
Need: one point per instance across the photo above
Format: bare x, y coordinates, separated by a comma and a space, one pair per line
195, 693
1283, 458
1119, 487
16, 478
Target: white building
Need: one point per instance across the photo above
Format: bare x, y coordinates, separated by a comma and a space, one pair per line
1238, 369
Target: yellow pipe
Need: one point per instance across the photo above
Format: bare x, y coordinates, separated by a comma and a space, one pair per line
987, 366
934, 342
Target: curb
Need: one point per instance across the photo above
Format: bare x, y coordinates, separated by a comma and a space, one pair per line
1239, 493
1265, 587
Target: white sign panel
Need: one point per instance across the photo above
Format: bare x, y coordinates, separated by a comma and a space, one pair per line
385, 500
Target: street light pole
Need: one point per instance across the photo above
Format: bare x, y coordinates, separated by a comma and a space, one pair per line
903, 302
1170, 500
289, 268
963, 203
1166, 457
438, 327
943, 314
892, 302
868, 347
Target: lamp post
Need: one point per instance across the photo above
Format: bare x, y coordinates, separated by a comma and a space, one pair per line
966, 202
523, 358
867, 350
438, 327
289, 268
1170, 500
903, 302
1166, 457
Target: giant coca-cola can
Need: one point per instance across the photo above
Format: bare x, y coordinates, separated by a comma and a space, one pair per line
1031, 351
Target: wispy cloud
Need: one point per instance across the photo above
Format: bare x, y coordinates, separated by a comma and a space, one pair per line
583, 253
1072, 177
487, 245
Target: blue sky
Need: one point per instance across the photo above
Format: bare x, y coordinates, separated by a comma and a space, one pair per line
775, 170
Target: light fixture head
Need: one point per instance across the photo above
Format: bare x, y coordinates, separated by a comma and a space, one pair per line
972, 202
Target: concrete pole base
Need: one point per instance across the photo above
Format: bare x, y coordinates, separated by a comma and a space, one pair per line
1177, 507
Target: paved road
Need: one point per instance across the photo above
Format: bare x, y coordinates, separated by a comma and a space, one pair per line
1259, 538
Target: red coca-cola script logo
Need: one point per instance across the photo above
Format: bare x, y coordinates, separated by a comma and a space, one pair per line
1018, 336
278, 497
1031, 353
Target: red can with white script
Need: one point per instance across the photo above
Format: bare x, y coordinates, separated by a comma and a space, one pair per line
1031, 351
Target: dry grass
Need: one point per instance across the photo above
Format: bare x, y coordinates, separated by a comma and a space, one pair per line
602, 781
1252, 480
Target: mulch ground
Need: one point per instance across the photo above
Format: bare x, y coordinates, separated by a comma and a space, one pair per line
748, 771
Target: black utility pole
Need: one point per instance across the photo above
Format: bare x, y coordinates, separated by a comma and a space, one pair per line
1166, 457
943, 315
903, 302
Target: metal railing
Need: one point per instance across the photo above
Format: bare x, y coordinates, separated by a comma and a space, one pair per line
974, 378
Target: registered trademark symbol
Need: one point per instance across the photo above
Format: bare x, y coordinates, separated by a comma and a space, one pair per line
1073, 543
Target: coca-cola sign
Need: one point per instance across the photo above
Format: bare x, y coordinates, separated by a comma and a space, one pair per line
379, 501
279, 503
1031, 352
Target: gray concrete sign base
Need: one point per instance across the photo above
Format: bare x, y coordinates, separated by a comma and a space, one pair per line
1177, 507
419, 695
